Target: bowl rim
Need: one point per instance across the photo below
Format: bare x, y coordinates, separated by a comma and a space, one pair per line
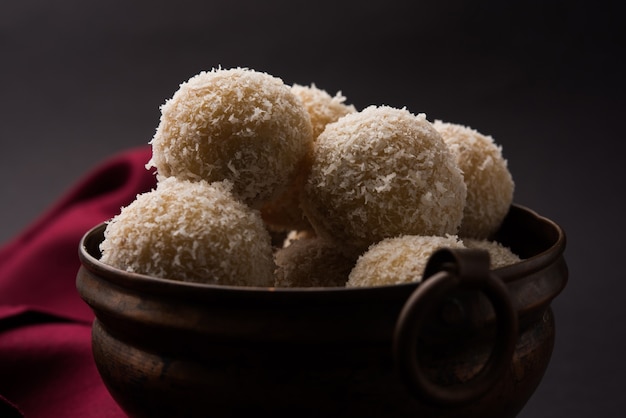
508, 274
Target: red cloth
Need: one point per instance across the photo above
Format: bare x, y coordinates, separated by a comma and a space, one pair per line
46, 365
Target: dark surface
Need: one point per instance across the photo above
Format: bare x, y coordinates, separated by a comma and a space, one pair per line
79, 82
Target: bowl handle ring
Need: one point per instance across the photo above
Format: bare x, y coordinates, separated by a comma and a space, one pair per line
448, 270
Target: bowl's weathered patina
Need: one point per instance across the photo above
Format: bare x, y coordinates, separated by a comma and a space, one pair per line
467, 341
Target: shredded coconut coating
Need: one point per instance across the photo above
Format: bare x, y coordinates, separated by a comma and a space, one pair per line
489, 183
312, 262
233, 124
295, 235
398, 260
284, 212
322, 107
500, 255
191, 231
379, 173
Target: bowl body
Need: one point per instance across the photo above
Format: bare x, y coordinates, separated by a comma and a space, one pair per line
169, 348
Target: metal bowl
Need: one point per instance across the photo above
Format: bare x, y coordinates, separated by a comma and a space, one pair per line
467, 341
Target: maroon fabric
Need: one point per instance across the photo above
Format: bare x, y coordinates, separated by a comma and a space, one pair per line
46, 365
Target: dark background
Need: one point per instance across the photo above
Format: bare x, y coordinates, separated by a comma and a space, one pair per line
80, 81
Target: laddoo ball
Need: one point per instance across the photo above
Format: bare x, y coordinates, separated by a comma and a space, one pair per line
489, 183
398, 260
322, 107
236, 124
284, 212
312, 262
192, 231
379, 173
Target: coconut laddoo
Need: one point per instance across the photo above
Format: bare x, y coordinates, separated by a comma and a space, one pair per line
312, 262
284, 212
398, 260
322, 107
379, 173
499, 255
236, 124
489, 183
190, 231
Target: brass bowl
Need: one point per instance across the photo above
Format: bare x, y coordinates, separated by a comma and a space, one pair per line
467, 341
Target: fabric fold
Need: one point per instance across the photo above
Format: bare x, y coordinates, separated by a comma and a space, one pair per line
38, 268
47, 368
46, 364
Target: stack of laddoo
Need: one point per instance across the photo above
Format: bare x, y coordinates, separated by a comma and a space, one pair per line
261, 183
